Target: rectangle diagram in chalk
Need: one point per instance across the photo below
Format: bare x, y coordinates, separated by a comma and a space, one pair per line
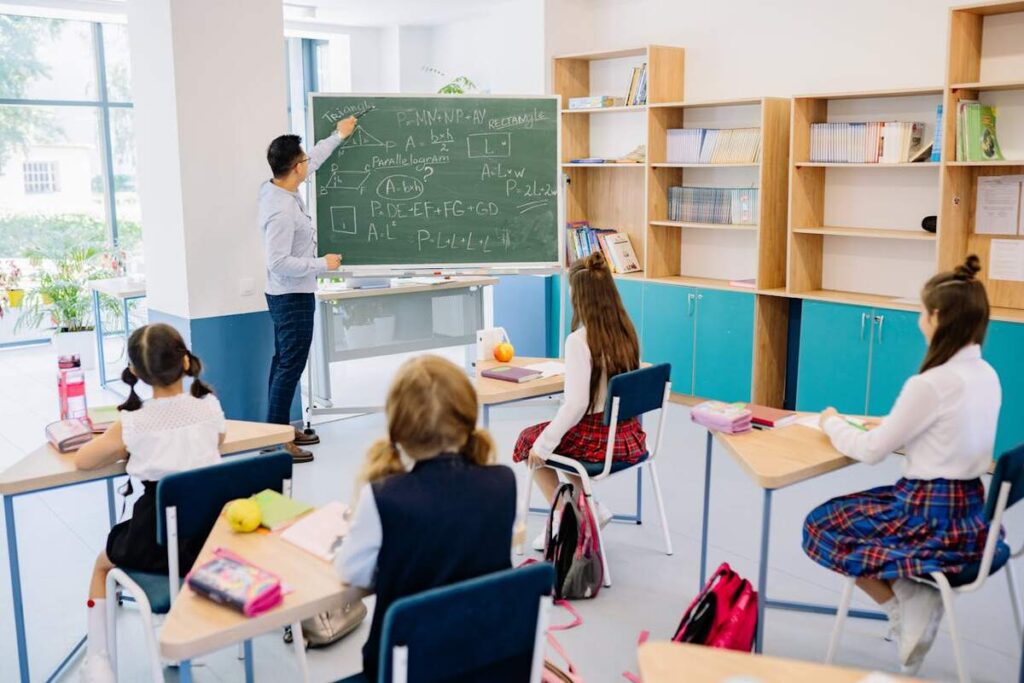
343, 220
483, 145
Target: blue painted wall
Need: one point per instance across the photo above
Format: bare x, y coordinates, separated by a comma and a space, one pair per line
520, 303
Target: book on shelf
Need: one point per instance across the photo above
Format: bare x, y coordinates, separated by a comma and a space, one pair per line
595, 102
871, 142
713, 145
583, 240
937, 142
976, 132
637, 92
715, 205
588, 160
623, 258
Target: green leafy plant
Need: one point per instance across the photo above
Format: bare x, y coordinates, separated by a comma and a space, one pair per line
61, 296
459, 85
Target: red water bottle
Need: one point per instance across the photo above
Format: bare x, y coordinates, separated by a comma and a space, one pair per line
71, 389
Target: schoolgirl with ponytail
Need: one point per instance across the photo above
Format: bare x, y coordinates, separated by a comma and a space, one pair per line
176, 430
933, 518
432, 508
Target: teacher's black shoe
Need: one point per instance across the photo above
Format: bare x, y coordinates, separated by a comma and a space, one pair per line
298, 454
304, 439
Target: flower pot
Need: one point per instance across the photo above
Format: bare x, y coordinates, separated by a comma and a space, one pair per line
15, 297
81, 344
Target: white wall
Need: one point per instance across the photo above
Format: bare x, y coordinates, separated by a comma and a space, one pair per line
750, 48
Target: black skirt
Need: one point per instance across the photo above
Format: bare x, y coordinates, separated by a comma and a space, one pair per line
132, 543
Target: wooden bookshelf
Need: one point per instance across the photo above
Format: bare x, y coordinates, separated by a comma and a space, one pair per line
809, 200
607, 110
705, 226
959, 179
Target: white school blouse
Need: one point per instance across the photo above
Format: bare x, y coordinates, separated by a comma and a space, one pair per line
578, 366
172, 434
945, 418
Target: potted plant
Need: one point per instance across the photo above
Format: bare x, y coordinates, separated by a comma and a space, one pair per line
11, 294
62, 298
459, 85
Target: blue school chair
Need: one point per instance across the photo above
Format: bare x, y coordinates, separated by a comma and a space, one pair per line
490, 628
1006, 489
188, 503
630, 394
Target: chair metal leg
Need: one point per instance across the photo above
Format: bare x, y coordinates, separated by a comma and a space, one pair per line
300, 650
837, 628
112, 621
250, 665
600, 543
1018, 610
156, 668
947, 601
661, 508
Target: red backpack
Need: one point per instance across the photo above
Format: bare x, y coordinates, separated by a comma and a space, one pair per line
723, 615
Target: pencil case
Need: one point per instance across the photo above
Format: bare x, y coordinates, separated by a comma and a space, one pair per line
721, 417
232, 581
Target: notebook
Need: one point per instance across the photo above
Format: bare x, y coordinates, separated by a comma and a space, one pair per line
318, 532
728, 418
232, 581
277, 510
763, 416
102, 417
68, 435
511, 373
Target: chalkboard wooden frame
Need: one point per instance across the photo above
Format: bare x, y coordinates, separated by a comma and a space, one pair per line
491, 267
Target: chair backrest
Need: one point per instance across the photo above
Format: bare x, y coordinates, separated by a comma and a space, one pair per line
200, 494
639, 391
485, 628
1009, 469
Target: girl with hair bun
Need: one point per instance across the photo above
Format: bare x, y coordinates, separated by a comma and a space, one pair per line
432, 509
176, 430
933, 518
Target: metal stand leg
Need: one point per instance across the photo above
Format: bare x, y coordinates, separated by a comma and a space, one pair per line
185, 671
19, 611
485, 415
704, 521
98, 324
639, 495
124, 316
111, 506
762, 572
249, 675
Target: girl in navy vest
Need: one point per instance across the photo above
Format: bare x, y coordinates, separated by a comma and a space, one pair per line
431, 509
603, 344
933, 518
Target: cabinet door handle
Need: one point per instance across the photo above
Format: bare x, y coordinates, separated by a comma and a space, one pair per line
880, 319
689, 304
863, 322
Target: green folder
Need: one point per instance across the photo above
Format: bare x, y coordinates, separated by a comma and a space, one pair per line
277, 510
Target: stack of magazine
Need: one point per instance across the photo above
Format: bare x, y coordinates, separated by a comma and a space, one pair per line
719, 205
873, 142
713, 146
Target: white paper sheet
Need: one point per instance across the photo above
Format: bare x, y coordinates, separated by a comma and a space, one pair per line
317, 532
998, 206
1006, 260
548, 368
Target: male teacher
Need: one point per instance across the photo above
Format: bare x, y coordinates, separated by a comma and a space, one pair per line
292, 266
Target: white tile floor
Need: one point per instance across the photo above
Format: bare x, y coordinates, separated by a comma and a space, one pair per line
61, 531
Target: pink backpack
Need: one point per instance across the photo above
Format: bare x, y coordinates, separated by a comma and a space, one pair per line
723, 615
573, 548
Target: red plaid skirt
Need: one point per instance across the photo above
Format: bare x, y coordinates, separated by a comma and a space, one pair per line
588, 440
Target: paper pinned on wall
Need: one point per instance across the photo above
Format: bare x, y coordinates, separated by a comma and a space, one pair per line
1006, 260
998, 203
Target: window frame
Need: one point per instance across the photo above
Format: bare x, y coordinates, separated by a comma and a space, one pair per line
103, 105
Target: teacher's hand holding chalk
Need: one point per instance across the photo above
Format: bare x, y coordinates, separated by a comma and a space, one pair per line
346, 126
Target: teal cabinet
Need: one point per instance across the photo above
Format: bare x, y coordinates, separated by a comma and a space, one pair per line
554, 307
723, 353
835, 343
897, 349
668, 333
632, 294
1004, 349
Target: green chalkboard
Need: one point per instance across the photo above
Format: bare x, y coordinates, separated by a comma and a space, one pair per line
439, 181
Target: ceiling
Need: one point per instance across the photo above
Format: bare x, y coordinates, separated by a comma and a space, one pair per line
385, 12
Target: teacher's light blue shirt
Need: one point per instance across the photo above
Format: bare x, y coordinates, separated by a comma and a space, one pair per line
289, 239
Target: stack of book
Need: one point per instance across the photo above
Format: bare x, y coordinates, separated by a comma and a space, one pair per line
637, 93
873, 142
595, 102
713, 146
584, 240
718, 205
728, 418
976, 132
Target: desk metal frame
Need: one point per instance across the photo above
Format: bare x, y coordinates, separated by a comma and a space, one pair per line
763, 601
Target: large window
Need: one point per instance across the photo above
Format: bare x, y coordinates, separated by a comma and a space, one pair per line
67, 159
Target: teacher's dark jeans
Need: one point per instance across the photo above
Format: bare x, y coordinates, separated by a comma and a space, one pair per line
293, 331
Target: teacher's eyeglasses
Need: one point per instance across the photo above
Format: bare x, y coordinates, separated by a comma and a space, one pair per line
300, 161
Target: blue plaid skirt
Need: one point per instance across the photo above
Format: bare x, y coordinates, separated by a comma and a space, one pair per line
911, 529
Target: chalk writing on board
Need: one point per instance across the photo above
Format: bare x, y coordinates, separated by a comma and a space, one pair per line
343, 220
498, 171
489, 145
436, 116
346, 180
399, 186
360, 138
400, 160
523, 120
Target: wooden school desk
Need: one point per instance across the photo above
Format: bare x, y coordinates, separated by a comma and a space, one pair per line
196, 626
495, 392
125, 290
45, 469
674, 662
775, 459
